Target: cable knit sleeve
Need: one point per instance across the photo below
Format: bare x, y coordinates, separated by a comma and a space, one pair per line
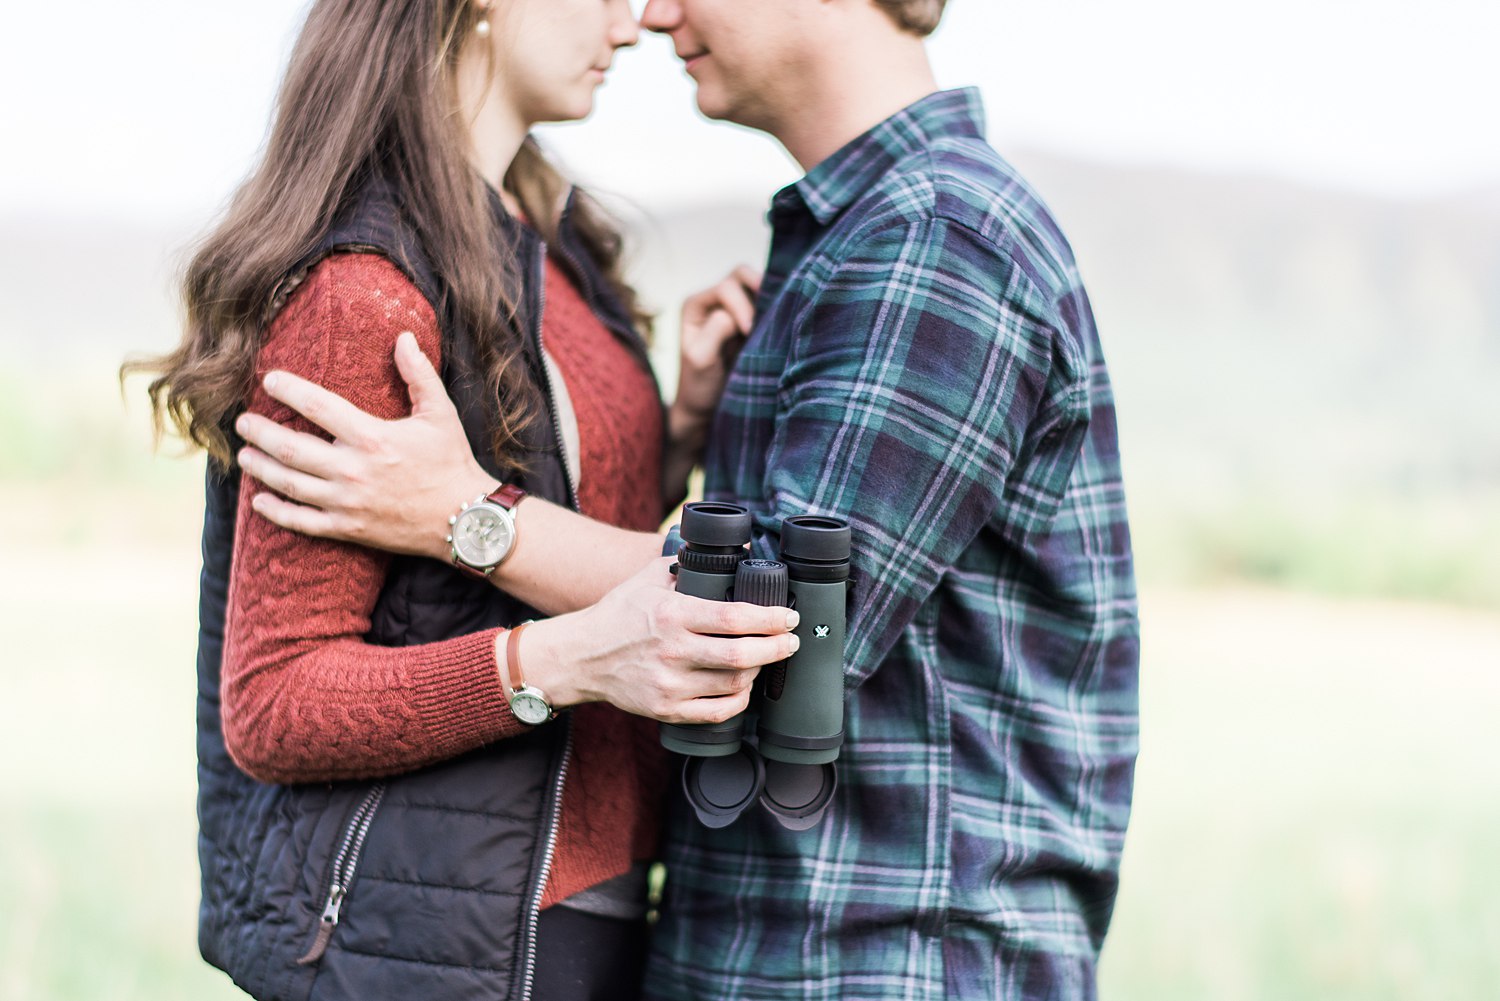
304, 697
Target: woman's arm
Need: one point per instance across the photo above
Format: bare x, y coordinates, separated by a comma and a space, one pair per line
306, 699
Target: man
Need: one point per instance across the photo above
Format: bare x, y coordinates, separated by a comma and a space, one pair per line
924, 364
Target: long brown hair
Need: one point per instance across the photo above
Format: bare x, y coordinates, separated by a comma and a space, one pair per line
371, 88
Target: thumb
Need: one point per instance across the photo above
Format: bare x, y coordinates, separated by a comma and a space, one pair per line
422, 380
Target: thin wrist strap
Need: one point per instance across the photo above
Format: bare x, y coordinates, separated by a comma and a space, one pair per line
513, 657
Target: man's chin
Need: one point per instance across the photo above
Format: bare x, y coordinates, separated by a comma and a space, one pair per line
713, 107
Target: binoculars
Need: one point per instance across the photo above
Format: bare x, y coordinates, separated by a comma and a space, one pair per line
785, 761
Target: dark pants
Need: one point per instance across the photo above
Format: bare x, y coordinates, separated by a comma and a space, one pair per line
585, 957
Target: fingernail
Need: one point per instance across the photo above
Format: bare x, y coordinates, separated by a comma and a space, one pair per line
796, 643
792, 618
239, 423
270, 381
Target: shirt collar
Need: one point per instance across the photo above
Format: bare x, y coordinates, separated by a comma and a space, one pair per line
832, 185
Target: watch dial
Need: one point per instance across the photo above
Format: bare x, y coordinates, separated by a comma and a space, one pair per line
530, 708
482, 535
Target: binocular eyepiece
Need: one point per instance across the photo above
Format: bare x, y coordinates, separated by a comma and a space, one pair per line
787, 764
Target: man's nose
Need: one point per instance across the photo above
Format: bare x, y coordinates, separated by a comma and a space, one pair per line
661, 15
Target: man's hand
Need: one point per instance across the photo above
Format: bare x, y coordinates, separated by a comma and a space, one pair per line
385, 484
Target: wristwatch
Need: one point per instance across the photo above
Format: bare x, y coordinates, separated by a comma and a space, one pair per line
483, 532
530, 704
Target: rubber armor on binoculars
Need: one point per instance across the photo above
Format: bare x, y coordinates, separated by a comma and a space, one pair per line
787, 764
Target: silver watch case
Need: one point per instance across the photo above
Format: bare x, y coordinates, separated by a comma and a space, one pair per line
531, 706
482, 535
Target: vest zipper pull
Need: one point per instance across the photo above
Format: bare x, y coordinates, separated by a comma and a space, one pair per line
326, 924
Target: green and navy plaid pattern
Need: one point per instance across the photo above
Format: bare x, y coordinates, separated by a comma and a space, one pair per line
925, 364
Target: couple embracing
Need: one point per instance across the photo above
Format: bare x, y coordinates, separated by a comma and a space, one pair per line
437, 634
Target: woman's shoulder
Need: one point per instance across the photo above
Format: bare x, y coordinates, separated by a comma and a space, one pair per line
355, 285
339, 326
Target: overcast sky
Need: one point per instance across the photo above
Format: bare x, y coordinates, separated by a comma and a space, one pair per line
154, 111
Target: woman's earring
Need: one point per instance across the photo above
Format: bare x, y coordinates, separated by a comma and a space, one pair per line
482, 29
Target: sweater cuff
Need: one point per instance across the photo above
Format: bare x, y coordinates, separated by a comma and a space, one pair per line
460, 695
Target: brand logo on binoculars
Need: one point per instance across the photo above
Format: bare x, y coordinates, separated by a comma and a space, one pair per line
821, 632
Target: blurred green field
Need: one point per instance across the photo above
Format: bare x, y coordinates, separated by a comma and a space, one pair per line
1318, 797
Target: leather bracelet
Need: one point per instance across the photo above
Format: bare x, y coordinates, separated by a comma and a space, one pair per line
529, 704
513, 657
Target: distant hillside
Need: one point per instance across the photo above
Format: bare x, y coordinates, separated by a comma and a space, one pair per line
1257, 330
1275, 348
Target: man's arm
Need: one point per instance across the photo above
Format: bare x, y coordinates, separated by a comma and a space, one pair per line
915, 385
392, 485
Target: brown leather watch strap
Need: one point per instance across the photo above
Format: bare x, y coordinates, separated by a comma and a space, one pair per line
513, 657
507, 495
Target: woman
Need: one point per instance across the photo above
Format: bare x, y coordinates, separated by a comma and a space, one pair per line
386, 807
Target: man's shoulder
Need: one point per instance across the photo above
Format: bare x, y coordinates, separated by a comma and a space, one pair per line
963, 183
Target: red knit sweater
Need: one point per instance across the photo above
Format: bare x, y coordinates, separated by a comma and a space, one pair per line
305, 699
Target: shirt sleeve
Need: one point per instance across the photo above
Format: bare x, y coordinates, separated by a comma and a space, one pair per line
304, 697
917, 383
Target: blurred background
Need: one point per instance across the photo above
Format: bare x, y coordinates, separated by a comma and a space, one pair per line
1288, 215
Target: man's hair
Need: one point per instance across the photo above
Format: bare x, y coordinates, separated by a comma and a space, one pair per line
920, 17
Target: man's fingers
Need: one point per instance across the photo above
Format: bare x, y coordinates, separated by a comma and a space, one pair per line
328, 411
293, 517
296, 449
284, 480
422, 380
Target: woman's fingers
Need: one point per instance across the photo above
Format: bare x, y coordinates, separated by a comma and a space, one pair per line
737, 618
749, 277
734, 298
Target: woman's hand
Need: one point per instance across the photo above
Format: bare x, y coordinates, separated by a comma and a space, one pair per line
653, 652
384, 484
715, 323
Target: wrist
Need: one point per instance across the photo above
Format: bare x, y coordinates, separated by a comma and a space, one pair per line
687, 426
482, 532
544, 653
459, 492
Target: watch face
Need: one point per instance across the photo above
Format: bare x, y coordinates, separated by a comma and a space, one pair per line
530, 707
483, 534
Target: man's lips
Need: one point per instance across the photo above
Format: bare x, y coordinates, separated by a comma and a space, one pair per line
691, 58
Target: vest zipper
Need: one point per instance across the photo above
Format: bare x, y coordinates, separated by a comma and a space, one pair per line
345, 862
539, 276
533, 911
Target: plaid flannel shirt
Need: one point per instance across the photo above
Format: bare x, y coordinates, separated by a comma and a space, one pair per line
925, 364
